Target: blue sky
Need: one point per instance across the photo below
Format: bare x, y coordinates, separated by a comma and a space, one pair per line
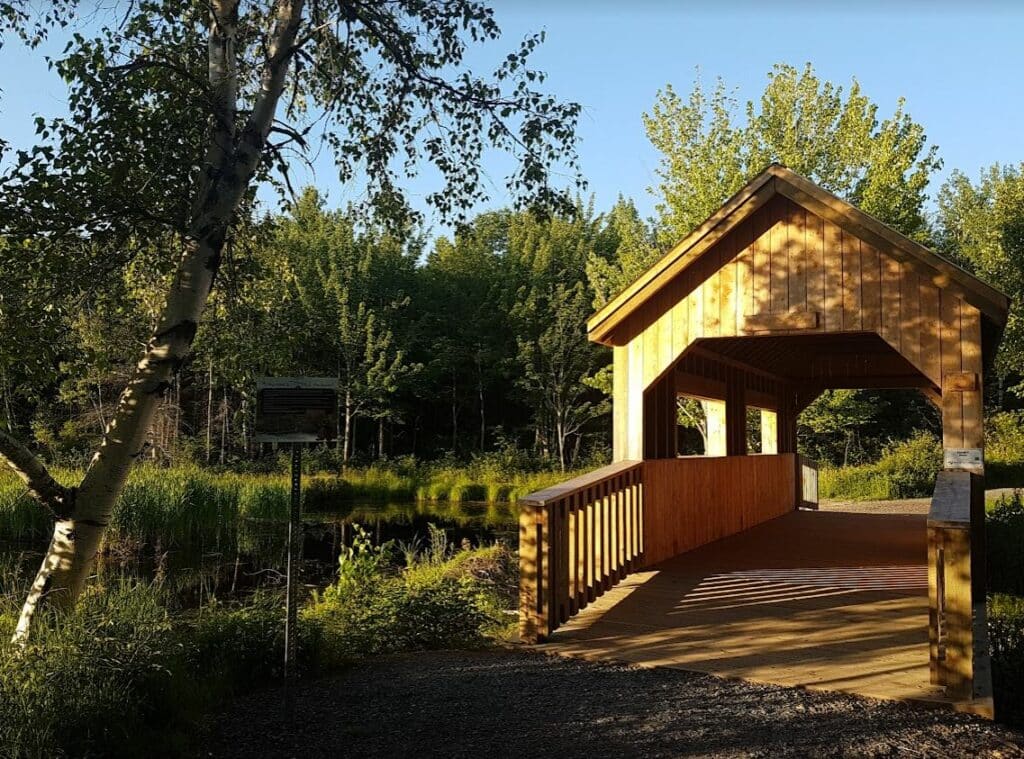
959, 65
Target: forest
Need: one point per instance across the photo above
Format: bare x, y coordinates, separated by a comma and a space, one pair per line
454, 345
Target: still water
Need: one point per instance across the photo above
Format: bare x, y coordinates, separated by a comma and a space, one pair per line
254, 554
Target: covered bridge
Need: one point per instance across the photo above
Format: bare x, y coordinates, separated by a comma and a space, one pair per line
785, 292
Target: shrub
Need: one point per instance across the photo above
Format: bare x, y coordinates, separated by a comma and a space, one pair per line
325, 493
1004, 544
905, 470
1006, 639
911, 466
1004, 449
439, 600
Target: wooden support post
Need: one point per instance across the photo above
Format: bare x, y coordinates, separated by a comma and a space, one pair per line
735, 415
533, 601
769, 431
714, 413
786, 421
955, 582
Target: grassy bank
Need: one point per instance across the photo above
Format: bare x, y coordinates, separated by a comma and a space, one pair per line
130, 674
907, 469
189, 505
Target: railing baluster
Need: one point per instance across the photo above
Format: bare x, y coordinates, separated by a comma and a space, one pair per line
570, 556
575, 544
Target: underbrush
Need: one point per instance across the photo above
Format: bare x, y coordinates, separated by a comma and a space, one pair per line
1006, 639
130, 673
905, 470
1004, 544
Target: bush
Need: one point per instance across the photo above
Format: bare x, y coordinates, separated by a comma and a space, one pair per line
910, 467
123, 676
438, 600
906, 470
1004, 545
1006, 639
128, 673
1004, 449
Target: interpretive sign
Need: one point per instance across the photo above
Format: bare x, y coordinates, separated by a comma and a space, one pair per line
969, 459
296, 409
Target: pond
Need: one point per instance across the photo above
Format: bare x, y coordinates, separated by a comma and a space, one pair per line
237, 561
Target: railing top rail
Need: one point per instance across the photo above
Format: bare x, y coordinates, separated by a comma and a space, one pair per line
951, 503
570, 487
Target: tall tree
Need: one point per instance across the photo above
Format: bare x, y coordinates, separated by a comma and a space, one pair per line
552, 305
348, 289
628, 249
178, 110
981, 226
710, 147
708, 152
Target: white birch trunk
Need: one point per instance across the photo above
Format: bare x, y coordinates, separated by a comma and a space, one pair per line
230, 164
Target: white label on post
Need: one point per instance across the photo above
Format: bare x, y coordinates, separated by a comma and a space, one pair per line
962, 458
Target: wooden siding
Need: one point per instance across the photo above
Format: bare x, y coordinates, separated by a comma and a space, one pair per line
786, 270
690, 502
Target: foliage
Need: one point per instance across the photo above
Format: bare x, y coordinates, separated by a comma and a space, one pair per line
552, 305
905, 470
1006, 641
1004, 537
801, 122
629, 249
981, 226
124, 674
846, 427
129, 673
194, 507
436, 601
1004, 449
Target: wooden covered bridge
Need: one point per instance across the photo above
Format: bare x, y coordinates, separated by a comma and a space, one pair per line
713, 563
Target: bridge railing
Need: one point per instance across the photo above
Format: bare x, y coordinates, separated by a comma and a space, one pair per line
577, 540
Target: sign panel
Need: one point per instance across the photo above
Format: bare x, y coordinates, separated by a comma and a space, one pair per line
296, 409
963, 458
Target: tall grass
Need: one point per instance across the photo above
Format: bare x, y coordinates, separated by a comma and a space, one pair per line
906, 470
189, 506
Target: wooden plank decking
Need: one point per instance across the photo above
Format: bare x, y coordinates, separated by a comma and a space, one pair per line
833, 601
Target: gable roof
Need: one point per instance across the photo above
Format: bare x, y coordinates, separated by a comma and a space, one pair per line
778, 180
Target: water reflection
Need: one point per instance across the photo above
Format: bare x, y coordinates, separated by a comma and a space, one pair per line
232, 562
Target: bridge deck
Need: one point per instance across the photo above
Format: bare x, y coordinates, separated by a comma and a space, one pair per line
826, 600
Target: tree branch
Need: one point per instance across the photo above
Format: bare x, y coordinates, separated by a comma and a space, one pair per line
50, 493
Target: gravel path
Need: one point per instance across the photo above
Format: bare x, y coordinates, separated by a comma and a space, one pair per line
904, 506
501, 703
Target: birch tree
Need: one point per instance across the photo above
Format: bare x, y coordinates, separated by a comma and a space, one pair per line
178, 110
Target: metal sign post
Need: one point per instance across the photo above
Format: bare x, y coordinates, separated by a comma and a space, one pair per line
295, 410
293, 562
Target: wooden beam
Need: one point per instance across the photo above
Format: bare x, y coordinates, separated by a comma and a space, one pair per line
959, 382
778, 322
932, 395
698, 386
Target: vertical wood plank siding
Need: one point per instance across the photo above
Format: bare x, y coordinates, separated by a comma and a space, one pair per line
786, 259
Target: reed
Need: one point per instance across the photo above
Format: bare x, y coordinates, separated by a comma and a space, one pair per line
190, 506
